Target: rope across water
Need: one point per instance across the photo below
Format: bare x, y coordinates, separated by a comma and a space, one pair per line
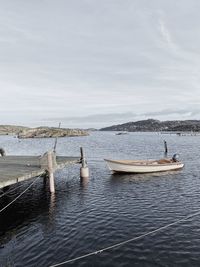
10, 203
128, 240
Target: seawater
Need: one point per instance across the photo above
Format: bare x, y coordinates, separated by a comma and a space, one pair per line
40, 229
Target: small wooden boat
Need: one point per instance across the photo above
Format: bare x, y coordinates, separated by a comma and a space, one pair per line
144, 166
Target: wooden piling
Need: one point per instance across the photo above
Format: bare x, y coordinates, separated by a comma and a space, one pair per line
2, 152
166, 149
50, 171
56, 140
83, 161
84, 171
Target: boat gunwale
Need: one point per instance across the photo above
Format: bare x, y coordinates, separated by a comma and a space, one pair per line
147, 164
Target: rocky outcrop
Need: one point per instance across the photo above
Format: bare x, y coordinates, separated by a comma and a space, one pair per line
40, 132
151, 125
49, 132
11, 129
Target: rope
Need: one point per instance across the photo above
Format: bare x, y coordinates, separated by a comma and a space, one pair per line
127, 241
11, 190
19, 195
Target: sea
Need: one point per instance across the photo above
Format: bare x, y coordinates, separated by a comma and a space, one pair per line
88, 215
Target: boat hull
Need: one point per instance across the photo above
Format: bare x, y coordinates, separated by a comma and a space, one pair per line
141, 167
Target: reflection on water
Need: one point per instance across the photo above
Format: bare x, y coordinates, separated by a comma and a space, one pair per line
117, 177
84, 182
84, 215
52, 205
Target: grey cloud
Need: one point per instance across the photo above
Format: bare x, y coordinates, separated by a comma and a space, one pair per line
62, 58
103, 120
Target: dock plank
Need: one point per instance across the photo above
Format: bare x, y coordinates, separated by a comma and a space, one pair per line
14, 169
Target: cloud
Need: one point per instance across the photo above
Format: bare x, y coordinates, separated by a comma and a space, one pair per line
166, 35
70, 59
103, 120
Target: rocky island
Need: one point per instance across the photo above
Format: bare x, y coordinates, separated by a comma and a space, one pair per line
152, 125
11, 129
40, 132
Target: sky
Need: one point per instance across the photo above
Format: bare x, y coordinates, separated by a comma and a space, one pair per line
91, 63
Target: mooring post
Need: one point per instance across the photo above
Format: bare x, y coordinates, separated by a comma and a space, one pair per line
2, 152
50, 171
56, 140
166, 149
84, 171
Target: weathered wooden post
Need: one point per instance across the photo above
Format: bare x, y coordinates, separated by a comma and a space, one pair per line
84, 171
166, 149
2, 152
48, 162
50, 171
56, 140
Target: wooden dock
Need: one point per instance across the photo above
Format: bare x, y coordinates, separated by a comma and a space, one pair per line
14, 169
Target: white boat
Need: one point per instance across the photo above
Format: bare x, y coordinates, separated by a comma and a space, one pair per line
143, 166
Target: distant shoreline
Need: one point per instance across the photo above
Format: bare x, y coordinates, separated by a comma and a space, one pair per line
40, 132
151, 125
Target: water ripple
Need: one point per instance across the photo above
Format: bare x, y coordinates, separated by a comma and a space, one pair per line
40, 230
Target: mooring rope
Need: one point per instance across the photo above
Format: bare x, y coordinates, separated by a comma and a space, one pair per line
11, 190
127, 241
10, 203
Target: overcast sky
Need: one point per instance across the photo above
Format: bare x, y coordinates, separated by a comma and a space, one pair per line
93, 63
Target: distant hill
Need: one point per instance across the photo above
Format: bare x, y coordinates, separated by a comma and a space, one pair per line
11, 129
48, 132
40, 132
151, 125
